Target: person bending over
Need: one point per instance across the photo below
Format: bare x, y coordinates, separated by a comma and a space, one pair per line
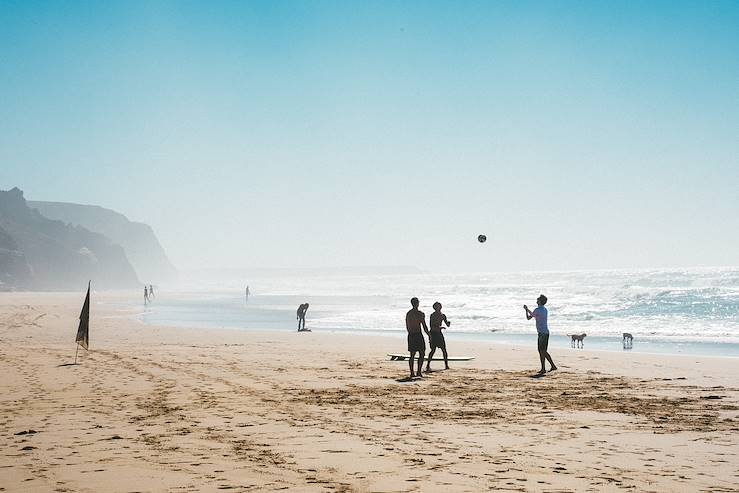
301, 316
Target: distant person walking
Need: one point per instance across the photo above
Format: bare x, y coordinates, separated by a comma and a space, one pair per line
414, 321
151, 291
146, 295
301, 316
436, 337
542, 328
247, 293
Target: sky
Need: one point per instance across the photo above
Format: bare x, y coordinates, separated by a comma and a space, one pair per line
575, 135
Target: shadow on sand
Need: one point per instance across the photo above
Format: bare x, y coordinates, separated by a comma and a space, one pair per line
408, 379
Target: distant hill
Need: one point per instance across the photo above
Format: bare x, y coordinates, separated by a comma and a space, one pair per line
42, 254
137, 239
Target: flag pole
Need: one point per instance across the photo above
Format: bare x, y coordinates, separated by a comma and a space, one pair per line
75, 353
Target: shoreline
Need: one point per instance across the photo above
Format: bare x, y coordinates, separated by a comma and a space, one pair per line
674, 333
469, 338
655, 345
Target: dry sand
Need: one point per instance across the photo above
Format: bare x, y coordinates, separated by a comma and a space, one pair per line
165, 409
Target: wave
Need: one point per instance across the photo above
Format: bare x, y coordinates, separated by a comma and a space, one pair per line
679, 304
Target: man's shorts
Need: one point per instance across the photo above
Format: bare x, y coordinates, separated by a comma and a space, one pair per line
436, 339
543, 342
416, 342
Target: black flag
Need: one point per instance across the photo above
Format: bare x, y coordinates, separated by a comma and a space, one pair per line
83, 335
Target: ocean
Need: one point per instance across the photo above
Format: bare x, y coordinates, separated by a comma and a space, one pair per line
678, 311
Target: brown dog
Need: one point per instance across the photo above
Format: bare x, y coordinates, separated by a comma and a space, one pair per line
628, 340
577, 340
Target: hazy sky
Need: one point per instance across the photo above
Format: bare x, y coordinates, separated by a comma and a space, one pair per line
573, 134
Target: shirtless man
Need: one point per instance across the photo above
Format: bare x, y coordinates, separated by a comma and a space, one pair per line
436, 338
414, 321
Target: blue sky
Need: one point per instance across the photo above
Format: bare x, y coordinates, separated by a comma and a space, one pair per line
574, 134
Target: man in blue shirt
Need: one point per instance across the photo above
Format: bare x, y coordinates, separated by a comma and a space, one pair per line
540, 314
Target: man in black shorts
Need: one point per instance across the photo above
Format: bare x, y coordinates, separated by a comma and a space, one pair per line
414, 320
436, 337
540, 314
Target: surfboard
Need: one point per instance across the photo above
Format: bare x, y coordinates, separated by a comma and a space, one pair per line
403, 357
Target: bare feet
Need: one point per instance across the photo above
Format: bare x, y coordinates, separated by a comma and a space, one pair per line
553, 368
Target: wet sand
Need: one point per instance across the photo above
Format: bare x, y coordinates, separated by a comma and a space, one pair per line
165, 409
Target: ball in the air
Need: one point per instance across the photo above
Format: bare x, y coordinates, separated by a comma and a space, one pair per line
482, 238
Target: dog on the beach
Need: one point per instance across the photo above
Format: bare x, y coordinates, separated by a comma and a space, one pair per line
628, 340
577, 340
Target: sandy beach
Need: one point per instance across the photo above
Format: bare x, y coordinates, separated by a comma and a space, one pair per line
172, 409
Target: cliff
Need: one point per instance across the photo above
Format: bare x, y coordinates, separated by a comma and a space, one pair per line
137, 239
43, 254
